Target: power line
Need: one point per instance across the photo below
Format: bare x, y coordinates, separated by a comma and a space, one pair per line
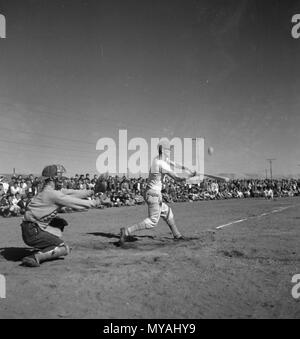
57, 148
61, 116
46, 157
47, 136
50, 114
45, 154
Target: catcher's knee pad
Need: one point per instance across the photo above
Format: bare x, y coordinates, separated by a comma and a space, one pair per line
59, 251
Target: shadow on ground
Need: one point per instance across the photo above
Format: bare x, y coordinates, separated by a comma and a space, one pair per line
15, 253
117, 236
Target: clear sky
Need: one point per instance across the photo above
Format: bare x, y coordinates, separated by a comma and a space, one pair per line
74, 71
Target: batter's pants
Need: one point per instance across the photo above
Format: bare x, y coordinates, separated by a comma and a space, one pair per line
156, 209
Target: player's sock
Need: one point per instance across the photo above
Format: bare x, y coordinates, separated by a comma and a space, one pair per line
135, 228
174, 230
171, 223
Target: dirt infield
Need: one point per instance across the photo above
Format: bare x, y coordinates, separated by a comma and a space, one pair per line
243, 270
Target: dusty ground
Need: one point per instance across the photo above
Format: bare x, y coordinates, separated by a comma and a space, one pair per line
241, 271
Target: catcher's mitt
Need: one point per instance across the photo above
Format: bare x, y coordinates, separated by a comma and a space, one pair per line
58, 223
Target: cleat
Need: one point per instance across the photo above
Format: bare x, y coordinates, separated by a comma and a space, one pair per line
30, 262
130, 238
125, 238
180, 238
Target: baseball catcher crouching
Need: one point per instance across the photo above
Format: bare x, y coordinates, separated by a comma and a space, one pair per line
41, 227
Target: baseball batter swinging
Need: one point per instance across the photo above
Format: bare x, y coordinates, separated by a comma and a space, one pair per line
161, 166
42, 228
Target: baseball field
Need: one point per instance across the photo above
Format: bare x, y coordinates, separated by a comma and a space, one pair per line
238, 262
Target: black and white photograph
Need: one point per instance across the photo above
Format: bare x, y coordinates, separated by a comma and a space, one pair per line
149, 162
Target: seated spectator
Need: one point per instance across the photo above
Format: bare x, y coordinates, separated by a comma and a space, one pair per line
269, 194
14, 209
15, 189
22, 203
98, 201
2, 193
139, 200
92, 184
4, 207
247, 193
29, 191
5, 185
128, 200
115, 199
23, 188
239, 194
105, 200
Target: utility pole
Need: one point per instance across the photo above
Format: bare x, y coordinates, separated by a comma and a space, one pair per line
266, 174
271, 167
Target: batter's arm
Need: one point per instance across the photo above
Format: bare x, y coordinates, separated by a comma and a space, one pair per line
166, 169
189, 172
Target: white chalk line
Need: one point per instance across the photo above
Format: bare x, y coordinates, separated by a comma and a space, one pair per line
278, 210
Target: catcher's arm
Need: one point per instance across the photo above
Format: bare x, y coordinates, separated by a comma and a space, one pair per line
81, 194
62, 200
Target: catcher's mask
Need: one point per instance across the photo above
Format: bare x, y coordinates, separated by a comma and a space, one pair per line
54, 173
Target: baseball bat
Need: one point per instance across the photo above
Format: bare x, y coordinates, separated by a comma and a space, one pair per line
215, 177
211, 176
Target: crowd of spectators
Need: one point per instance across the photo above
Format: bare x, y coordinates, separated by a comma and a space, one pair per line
17, 191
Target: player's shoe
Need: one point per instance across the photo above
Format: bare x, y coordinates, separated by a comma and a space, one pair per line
180, 238
30, 261
125, 238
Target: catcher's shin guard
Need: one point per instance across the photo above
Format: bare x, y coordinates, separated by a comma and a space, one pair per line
60, 251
